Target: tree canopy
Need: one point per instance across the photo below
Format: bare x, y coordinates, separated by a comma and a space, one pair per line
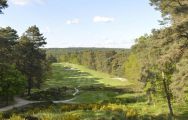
3, 5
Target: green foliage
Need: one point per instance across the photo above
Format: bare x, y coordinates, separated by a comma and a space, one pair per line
20, 58
132, 68
51, 59
138, 111
9, 34
158, 60
100, 59
162, 54
8, 37
179, 80
50, 94
32, 59
3, 5
35, 37
12, 82
175, 9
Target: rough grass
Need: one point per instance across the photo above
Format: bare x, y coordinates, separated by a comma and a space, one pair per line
63, 74
138, 111
99, 104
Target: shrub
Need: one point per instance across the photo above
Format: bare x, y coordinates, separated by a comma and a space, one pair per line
131, 114
15, 117
52, 94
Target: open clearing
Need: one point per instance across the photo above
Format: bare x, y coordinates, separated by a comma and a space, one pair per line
66, 74
76, 76
96, 95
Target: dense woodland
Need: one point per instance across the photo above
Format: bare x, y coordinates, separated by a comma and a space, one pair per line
106, 60
163, 54
158, 62
23, 63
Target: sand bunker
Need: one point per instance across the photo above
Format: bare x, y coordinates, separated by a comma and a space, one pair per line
121, 79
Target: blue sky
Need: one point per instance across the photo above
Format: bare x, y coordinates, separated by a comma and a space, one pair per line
83, 23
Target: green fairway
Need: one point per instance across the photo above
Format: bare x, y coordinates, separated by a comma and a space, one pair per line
76, 76
99, 97
94, 96
66, 74
71, 75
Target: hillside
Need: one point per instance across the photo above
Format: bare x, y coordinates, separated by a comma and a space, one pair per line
100, 96
144, 79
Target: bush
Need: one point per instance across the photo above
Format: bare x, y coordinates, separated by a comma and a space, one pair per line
15, 117
52, 94
131, 114
49, 111
103, 88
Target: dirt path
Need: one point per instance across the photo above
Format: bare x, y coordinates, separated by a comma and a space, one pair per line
70, 100
19, 102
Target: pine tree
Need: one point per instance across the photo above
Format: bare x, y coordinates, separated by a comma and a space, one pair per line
3, 5
32, 58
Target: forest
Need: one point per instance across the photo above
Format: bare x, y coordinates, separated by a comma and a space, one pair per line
149, 81
108, 60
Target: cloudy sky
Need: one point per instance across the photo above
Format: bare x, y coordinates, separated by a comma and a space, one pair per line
83, 23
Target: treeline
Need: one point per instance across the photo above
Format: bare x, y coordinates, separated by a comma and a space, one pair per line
107, 60
162, 56
23, 63
159, 61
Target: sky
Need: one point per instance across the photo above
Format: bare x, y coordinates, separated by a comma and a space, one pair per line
83, 23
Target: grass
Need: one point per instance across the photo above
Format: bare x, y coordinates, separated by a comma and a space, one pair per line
82, 76
65, 74
78, 114
94, 96
71, 75
126, 105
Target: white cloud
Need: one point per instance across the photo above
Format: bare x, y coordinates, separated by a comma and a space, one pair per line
20, 2
25, 2
73, 21
103, 19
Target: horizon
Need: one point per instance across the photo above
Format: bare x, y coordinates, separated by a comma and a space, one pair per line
84, 48
100, 24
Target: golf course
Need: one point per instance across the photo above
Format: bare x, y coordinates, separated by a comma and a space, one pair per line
99, 96
93, 59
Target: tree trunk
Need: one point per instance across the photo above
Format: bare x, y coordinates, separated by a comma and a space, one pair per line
29, 91
29, 87
149, 102
7, 99
168, 97
7, 95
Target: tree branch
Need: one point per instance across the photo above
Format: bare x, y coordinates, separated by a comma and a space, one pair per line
180, 3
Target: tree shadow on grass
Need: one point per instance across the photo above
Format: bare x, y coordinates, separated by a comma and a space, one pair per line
183, 112
183, 116
90, 87
66, 76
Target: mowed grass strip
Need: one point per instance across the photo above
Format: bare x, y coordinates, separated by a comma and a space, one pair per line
71, 75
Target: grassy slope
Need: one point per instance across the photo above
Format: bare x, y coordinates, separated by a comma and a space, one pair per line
62, 75
80, 76
71, 75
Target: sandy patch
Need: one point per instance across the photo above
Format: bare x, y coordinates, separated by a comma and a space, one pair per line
121, 79
69, 69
